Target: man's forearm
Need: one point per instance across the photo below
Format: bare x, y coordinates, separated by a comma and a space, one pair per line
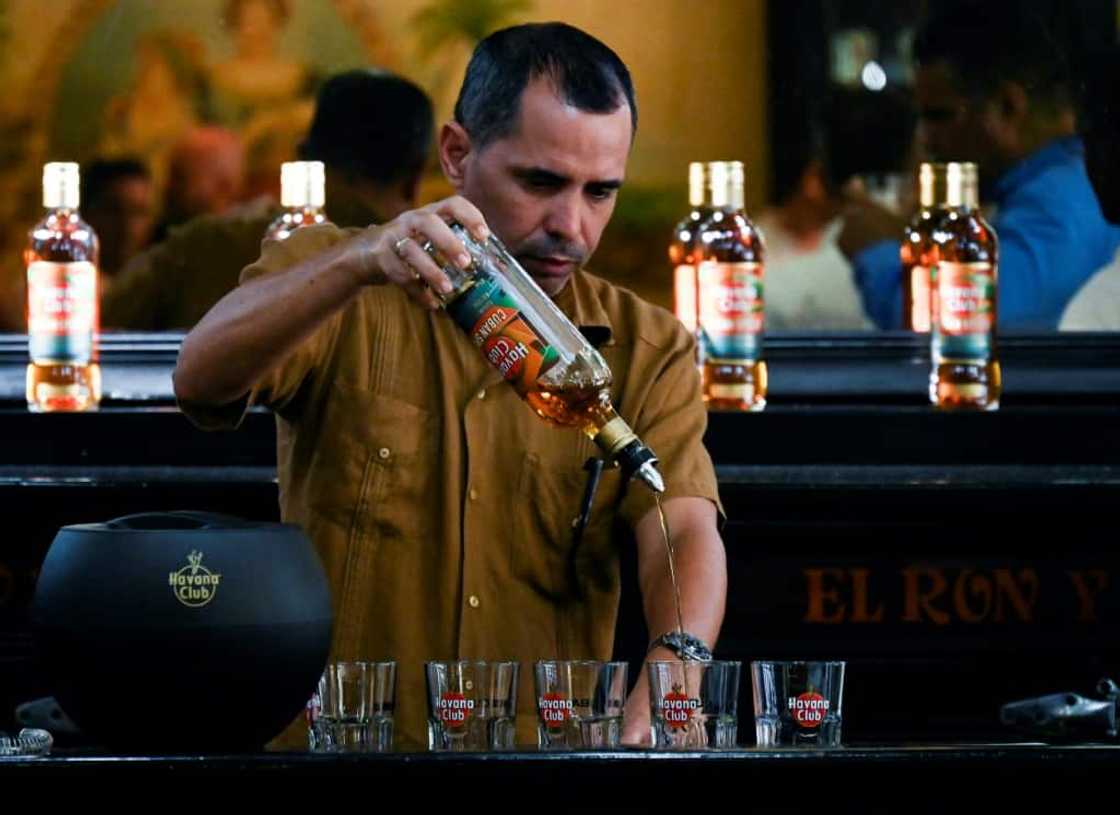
701, 570
257, 325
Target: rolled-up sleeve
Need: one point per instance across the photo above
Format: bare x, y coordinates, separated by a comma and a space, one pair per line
672, 422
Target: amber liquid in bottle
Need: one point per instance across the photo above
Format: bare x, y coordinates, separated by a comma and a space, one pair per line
62, 302
919, 253
684, 248
917, 260
731, 298
965, 372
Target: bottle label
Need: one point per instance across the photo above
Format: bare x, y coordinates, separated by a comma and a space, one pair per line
502, 332
965, 309
61, 311
731, 310
684, 295
919, 299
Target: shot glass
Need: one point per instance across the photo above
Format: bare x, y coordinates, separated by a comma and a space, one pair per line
472, 705
797, 704
355, 708
579, 704
694, 705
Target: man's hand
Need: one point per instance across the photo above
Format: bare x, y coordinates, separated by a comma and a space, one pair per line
393, 253
636, 727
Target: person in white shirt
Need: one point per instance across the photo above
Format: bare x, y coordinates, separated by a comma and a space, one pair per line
809, 284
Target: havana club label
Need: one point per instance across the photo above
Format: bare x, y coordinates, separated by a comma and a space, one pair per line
555, 710
808, 710
965, 309
61, 311
504, 334
731, 310
684, 295
677, 709
455, 710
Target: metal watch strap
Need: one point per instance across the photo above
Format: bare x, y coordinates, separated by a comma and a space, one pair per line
684, 645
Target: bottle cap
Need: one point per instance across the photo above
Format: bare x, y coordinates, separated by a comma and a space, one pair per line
61, 185
726, 180
302, 184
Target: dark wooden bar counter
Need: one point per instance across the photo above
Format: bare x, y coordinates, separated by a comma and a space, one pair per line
964, 778
957, 561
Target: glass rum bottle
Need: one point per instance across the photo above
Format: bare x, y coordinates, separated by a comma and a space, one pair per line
302, 194
536, 348
917, 253
730, 278
62, 300
684, 245
965, 372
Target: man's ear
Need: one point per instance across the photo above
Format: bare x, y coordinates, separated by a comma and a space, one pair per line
454, 151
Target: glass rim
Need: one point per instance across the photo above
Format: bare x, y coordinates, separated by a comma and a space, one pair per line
382, 663
830, 662
708, 662
579, 662
474, 662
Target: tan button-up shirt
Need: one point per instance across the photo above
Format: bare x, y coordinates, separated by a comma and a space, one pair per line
441, 505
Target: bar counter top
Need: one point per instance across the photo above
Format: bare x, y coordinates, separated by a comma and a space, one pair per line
907, 778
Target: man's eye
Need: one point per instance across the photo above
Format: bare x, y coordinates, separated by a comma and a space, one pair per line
541, 183
601, 193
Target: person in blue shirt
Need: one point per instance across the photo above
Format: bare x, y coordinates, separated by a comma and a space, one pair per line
993, 88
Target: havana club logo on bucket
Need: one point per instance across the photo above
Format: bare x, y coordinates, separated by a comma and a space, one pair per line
194, 585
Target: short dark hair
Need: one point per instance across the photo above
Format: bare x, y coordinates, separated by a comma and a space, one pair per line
587, 74
370, 125
987, 42
98, 177
848, 116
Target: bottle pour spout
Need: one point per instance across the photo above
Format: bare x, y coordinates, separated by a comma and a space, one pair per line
623, 446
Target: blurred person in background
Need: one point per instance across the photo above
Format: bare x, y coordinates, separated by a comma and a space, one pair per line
993, 88
118, 201
373, 132
1096, 306
809, 283
205, 177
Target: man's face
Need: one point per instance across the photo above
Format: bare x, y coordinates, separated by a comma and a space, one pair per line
952, 125
548, 188
123, 219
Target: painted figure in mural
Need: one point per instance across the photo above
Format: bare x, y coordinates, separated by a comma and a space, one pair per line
257, 77
164, 101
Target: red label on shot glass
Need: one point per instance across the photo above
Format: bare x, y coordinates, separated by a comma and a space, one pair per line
808, 710
555, 710
677, 709
455, 710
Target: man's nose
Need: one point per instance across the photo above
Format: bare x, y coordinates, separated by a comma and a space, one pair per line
565, 214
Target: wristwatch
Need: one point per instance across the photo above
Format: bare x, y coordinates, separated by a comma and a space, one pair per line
684, 645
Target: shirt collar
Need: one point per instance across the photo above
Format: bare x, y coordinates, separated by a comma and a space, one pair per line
582, 306
1059, 151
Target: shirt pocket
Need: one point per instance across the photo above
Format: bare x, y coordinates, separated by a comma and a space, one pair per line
374, 465
544, 552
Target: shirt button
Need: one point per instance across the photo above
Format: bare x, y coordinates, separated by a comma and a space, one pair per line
473, 494
474, 601
482, 394
384, 453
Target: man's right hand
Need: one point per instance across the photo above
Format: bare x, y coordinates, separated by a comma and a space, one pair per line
393, 253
